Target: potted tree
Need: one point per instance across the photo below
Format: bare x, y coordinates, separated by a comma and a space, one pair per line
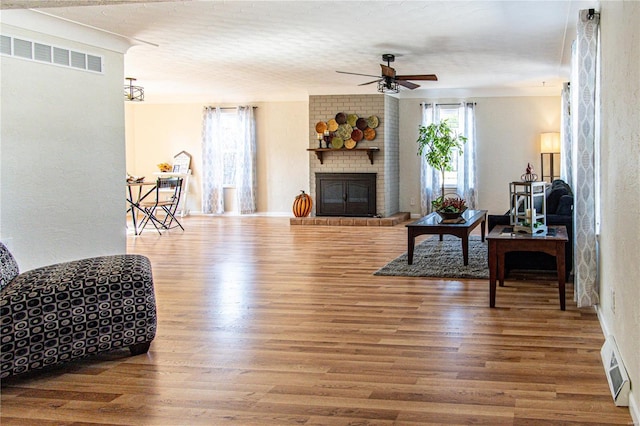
437, 143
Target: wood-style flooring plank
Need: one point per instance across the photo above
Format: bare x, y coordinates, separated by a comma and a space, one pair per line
264, 323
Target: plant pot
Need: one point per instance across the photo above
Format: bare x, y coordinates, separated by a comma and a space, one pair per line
449, 215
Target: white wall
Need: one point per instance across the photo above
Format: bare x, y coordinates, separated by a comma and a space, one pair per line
508, 131
620, 138
283, 160
62, 153
157, 132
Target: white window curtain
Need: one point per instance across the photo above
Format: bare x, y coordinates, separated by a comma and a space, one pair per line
243, 162
212, 162
583, 130
246, 182
429, 177
466, 186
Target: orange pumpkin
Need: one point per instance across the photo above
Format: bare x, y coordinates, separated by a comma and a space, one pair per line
302, 205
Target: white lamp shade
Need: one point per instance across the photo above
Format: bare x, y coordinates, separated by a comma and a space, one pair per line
550, 142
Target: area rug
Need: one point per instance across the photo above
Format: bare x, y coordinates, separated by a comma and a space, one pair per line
442, 259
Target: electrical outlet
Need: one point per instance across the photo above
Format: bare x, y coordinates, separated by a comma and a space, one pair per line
613, 301
413, 201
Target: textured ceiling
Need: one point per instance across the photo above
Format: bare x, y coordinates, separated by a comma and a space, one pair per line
237, 51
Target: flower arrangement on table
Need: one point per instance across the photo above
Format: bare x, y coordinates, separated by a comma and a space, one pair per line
164, 167
449, 208
449, 205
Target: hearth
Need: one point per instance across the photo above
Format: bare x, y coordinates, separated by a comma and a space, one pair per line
346, 194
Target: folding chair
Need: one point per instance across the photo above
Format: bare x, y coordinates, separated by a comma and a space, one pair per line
167, 196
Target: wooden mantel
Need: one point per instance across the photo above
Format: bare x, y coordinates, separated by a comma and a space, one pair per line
320, 152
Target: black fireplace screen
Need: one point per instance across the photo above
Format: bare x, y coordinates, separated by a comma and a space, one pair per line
346, 194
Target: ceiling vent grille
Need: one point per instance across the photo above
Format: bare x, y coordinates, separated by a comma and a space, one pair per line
44, 53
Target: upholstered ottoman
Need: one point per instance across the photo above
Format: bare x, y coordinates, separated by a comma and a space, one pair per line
71, 310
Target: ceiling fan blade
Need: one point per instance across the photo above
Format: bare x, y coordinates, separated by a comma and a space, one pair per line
387, 71
428, 77
374, 81
355, 73
407, 84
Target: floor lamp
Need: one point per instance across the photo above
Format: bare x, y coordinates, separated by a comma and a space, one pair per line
549, 147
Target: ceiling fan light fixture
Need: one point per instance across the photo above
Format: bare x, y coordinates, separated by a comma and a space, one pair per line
389, 81
133, 93
388, 86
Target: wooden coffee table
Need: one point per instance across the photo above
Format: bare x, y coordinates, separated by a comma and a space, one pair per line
502, 240
432, 224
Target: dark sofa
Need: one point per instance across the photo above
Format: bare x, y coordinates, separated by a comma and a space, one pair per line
71, 310
559, 198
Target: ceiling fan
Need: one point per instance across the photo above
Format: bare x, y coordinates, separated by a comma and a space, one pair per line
389, 81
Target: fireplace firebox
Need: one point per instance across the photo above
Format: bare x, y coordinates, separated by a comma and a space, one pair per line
346, 194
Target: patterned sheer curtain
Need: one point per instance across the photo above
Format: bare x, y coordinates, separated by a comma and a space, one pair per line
565, 142
583, 125
429, 177
246, 162
212, 162
466, 185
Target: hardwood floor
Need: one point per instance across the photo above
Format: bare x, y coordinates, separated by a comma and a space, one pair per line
263, 323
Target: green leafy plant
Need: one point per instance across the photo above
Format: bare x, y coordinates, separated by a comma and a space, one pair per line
437, 142
450, 205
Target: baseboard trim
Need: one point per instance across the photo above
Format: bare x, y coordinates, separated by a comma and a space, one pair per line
634, 410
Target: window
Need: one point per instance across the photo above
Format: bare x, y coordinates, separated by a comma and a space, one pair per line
452, 114
228, 158
230, 151
462, 179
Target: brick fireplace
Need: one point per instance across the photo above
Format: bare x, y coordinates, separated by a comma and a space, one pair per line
383, 163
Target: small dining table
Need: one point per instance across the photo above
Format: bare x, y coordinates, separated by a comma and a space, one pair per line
133, 203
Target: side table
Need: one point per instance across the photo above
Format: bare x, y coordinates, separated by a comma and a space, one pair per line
502, 239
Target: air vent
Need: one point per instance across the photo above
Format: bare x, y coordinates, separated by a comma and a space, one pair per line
60, 56
78, 60
22, 48
5, 45
44, 53
94, 63
616, 373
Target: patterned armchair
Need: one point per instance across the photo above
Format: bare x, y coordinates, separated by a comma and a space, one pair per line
71, 310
